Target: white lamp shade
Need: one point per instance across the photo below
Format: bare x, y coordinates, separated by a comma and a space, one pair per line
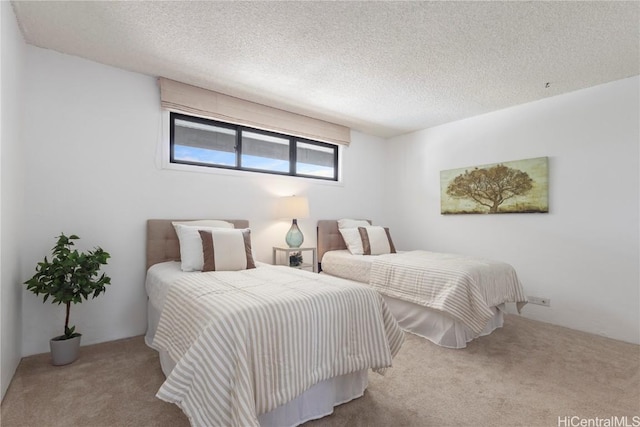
293, 207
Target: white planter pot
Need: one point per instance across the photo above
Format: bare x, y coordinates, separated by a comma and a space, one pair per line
64, 352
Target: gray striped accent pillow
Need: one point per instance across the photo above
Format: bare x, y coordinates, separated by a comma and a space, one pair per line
226, 250
376, 240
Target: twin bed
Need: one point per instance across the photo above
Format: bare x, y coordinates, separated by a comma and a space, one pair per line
247, 344
260, 346
448, 299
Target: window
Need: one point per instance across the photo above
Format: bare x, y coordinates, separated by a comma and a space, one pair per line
197, 142
203, 142
264, 152
316, 160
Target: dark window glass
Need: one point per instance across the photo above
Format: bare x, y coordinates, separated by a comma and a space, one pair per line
200, 143
316, 160
265, 152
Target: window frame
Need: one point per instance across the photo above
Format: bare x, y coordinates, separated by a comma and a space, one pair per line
293, 148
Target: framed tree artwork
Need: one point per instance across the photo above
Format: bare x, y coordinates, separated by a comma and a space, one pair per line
511, 187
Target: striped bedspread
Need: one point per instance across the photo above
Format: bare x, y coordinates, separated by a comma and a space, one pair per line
247, 342
464, 287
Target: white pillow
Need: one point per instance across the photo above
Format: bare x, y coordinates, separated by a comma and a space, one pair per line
352, 223
205, 223
376, 240
226, 250
349, 230
191, 245
353, 240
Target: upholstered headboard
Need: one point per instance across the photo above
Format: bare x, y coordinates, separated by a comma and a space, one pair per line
162, 240
329, 238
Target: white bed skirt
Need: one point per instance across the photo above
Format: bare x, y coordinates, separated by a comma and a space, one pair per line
316, 402
437, 326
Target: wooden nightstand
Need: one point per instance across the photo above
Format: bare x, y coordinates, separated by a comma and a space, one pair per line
281, 256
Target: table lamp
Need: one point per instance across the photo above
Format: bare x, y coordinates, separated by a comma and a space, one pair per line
293, 207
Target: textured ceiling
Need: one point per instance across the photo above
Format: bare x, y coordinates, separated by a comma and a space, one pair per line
383, 68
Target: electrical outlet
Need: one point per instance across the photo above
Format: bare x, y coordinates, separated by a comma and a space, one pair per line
540, 301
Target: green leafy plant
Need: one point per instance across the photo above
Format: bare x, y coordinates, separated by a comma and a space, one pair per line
295, 259
70, 277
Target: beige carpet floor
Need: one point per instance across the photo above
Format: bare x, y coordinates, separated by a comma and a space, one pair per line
525, 374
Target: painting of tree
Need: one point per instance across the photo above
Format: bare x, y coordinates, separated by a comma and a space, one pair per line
511, 187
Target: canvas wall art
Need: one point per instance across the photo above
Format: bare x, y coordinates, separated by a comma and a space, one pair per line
519, 186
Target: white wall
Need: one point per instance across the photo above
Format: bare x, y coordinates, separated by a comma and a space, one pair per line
11, 178
584, 253
93, 169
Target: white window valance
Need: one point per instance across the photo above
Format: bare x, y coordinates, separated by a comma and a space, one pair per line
187, 99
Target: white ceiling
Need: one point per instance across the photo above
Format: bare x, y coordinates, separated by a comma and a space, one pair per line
383, 68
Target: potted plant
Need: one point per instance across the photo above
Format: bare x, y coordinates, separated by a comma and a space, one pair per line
70, 277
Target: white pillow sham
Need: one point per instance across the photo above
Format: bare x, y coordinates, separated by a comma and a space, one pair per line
191, 258
352, 223
348, 228
205, 223
353, 240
